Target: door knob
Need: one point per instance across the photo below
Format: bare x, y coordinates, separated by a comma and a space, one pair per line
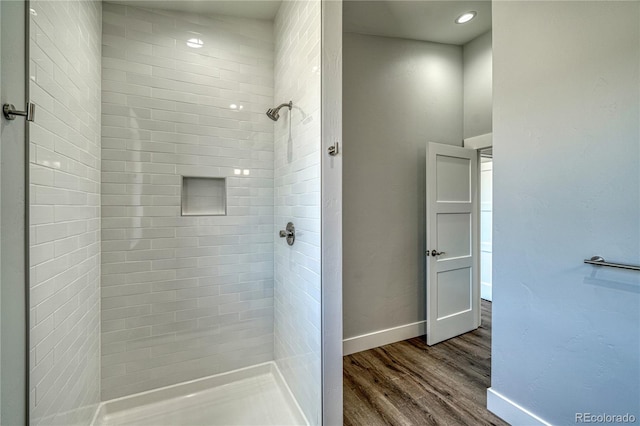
10, 112
436, 253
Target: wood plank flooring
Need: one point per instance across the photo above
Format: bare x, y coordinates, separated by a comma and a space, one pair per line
410, 383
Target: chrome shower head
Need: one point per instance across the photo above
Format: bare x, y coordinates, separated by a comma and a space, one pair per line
274, 113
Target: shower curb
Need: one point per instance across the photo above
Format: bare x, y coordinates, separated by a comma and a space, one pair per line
159, 395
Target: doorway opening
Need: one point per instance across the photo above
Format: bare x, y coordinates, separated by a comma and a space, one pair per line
408, 81
486, 222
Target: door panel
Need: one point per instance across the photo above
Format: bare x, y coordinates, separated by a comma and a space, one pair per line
454, 231
453, 294
453, 182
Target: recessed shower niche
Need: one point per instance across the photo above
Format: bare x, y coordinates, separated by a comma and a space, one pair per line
204, 196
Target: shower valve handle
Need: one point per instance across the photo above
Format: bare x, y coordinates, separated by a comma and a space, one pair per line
289, 233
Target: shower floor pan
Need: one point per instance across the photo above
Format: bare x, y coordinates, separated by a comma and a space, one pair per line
256, 395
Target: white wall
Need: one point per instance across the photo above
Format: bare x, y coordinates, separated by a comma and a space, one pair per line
65, 211
297, 192
184, 297
398, 95
1, 91
477, 59
12, 224
566, 336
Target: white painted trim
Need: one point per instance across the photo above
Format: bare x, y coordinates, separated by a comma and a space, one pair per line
511, 412
479, 142
383, 337
331, 216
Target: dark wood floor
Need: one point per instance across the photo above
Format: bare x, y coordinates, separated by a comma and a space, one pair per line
410, 383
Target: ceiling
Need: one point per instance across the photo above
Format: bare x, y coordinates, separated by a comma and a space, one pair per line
413, 19
256, 9
418, 20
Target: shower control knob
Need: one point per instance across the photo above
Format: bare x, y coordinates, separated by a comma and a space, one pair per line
289, 233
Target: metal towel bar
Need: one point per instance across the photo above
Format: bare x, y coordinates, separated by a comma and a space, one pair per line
599, 261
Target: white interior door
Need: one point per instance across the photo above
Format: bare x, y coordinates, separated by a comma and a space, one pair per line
453, 290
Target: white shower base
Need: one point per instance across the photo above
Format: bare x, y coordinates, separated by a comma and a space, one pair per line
256, 395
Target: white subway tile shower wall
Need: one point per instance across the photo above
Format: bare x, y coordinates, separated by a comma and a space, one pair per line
184, 297
65, 211
297, 186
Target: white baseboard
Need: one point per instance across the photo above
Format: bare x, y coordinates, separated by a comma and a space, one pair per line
485, 291
511, 412
383, 337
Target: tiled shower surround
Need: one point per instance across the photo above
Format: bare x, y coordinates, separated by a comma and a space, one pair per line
297, 191
64, 208
184, 297
127, 294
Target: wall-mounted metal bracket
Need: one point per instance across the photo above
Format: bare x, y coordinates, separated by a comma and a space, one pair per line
10, 112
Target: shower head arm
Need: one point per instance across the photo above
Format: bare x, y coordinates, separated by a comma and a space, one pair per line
287, 104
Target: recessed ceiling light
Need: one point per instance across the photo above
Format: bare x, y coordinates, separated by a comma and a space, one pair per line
196, 43
466, 17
